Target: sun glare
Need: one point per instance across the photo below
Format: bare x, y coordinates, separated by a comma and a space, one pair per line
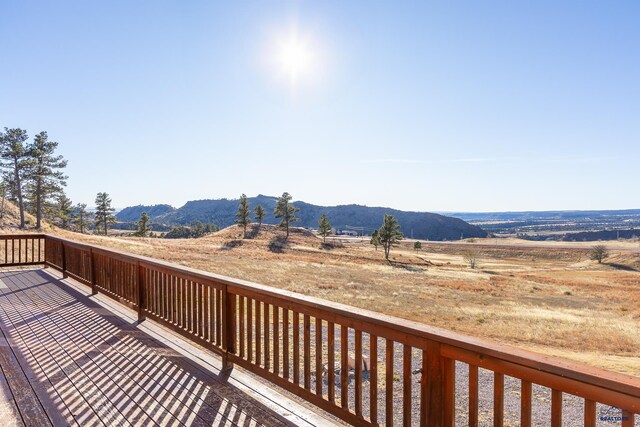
295, 58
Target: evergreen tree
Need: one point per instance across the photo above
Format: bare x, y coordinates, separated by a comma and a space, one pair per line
104, 213
390, 234
14, 160
417, 246
375, 239
64, 210
324, 227
45, 178
259, 214
285, 210
242, 216
80, 217
143, 225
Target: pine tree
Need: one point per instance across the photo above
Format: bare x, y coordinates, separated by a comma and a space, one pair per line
285, 210
259, 214
375, 239
143, 225
45, 178
324, 227
80, 217
417, 246
64, 210
14, 156
104, 213
242, 216
390, 234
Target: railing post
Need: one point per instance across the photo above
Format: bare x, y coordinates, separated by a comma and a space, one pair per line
441, 391
141, 294
228, 328
64, 262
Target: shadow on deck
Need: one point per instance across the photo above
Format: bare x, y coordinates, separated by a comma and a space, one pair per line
71, 358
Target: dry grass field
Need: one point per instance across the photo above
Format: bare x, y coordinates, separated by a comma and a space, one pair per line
551, 300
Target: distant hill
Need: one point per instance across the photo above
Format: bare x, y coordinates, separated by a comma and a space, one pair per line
133, 213
422, 225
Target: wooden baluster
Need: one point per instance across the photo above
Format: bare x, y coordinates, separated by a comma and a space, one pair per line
250, 329
295, 317
276, 340
140, 286
449, 374
285, 343
388, 409
219, 324
172, 296
498, 399
175, 283
406, 385
358, 376
473, 396
241, 323
64, 263
228, 335
331, 362
373, 378
94, 279
197, 314
210, 313
344, 366
185, 307
193, 301
233, 309
202, 304
266, 340
154, 290
589, 414
258, 333
628, 419
180, 302
319, 356
556, 408
307, 352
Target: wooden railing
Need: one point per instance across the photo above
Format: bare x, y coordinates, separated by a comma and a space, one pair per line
363, 367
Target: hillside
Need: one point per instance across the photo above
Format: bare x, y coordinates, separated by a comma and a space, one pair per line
132, 213
420, 225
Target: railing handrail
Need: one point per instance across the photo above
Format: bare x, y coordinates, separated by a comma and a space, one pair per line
587, 374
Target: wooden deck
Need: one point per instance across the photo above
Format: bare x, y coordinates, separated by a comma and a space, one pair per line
69, 358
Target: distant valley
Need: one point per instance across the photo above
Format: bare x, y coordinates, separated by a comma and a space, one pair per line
590, 225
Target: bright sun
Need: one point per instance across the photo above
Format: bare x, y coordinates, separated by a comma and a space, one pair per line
294, 58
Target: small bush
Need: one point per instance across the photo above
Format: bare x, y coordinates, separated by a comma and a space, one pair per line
599, 253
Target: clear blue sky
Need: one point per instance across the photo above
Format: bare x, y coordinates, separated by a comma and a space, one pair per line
435, 106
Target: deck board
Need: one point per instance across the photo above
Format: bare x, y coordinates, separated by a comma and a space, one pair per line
90, 366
